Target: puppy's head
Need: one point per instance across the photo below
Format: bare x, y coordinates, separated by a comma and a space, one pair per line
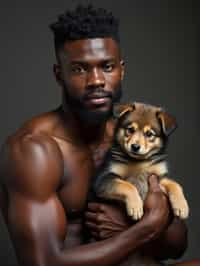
142, 129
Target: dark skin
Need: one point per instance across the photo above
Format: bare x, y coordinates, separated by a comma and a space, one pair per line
47, 167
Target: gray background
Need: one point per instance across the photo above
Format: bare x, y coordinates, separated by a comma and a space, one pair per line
159, 43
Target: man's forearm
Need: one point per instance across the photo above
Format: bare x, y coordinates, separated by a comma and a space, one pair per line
172, 242
106, 252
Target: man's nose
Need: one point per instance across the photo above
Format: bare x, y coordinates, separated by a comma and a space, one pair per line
95, 78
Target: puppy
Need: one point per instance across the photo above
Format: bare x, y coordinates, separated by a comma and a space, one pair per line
138, 150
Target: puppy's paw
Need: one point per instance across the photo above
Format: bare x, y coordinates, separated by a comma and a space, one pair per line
134, 206
179, 205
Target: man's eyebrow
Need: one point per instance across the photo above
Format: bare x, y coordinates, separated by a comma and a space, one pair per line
78, 62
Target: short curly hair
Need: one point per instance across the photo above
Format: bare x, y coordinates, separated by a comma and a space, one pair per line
84, 22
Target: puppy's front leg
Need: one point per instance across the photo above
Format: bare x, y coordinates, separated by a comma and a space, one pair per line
176, 197
126, 192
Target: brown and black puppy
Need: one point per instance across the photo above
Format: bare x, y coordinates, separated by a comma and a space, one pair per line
138, 150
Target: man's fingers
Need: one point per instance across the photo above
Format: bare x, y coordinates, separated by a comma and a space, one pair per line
153, 183
91, 216
93, 206
92, 226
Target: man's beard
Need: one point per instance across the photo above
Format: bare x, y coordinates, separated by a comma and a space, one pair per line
93, 115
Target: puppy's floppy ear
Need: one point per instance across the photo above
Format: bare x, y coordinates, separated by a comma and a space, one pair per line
167, 121
120, 109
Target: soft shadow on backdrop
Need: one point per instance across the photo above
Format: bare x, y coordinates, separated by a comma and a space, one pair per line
159, 43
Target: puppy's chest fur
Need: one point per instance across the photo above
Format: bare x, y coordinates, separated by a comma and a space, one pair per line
137, 172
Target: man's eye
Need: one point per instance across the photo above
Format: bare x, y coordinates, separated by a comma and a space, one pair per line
130, 130
78, 69
108, 67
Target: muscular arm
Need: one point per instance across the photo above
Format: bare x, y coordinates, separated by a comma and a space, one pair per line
172, 243
36, 219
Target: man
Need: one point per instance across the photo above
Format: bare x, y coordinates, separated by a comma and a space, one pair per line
48, 164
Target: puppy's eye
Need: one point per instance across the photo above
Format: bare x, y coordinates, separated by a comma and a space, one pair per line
150, 134
130, 130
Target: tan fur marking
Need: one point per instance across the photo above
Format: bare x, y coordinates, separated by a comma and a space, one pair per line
129, 108
135, 138
171, 186
128, 193
159, 169
123, 187
142, 141
135, 168
176, 198
147, 128
134, 125
119, 169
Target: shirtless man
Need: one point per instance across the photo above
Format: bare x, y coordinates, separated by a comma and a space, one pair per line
47, 165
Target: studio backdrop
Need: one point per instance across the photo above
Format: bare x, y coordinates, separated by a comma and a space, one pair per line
159, 45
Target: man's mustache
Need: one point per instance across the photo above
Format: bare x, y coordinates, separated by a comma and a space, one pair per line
97, 93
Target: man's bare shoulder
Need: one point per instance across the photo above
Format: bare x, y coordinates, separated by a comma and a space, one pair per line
45, 123
31, 158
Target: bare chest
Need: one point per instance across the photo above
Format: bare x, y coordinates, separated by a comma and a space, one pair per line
80, 166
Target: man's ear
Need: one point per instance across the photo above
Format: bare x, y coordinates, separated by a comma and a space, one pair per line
168, 122
58, 74
120, 109
122, 68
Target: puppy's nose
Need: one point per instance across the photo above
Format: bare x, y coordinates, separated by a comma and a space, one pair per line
135, 147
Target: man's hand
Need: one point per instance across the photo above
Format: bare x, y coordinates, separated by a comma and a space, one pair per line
156, 205
106, 220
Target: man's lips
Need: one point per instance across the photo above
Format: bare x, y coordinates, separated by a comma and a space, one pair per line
98, 100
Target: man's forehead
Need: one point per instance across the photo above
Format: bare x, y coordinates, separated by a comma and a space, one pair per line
91, 48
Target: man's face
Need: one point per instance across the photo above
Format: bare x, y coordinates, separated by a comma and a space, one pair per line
90, 72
